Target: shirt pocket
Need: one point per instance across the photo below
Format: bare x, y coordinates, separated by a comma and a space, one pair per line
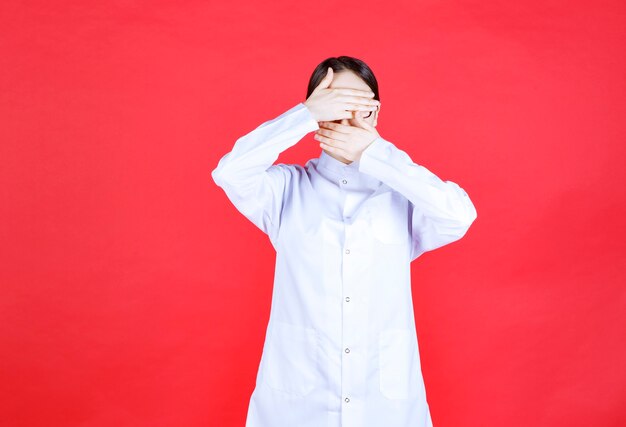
291, 360
388, 218
395, 362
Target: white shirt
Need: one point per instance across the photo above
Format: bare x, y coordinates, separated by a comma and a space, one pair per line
341, 345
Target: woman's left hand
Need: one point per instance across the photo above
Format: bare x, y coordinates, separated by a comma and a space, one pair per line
349, 141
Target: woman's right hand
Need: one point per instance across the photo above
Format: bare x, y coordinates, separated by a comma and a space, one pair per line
328, 104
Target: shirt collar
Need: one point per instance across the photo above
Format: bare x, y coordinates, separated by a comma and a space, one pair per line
335, 170
329, 162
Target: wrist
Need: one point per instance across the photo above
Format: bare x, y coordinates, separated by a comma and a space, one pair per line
310, 111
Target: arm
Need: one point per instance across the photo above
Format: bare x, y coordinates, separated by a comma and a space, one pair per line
442, 212
247, 174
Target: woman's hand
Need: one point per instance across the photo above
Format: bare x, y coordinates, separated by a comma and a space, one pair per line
346, 140
327, 104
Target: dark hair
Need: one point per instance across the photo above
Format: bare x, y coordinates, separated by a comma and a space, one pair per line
340, 63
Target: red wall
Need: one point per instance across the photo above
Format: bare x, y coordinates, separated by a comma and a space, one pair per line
132, 293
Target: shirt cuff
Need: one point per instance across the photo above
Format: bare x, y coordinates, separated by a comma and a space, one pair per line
308, 121
375, 154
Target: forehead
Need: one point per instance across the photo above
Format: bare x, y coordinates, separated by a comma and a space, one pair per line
347, 79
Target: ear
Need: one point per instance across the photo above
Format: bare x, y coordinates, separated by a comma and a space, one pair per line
376, 116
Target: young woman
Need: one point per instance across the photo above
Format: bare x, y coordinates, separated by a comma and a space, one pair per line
341, 345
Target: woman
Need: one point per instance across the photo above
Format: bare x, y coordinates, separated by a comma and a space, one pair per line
341, 346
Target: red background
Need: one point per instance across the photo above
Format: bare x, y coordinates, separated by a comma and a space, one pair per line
132, 293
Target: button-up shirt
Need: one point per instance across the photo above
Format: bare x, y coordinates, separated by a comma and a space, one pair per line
340, 346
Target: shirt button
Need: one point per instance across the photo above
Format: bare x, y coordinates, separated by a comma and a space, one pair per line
347, 251
347, 299
347, 399
347, 350
344, 181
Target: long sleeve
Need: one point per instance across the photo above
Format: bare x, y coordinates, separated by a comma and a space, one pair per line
247, 174
441, 211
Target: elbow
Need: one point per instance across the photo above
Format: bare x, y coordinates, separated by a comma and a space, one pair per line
468, 217
225, 179
218, 177
471, 214
456, 228
468, 210
221, 174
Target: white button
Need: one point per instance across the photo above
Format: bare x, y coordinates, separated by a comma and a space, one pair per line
347, 350
347, 251
347, 299
347, 399
344, 181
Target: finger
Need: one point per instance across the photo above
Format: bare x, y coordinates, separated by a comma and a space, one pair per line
333, 148
355, 92
326, 81
344, 114
333, 135
330, 140
359, 100
359, 107
339, 151
349, 111
360, 122
337, 127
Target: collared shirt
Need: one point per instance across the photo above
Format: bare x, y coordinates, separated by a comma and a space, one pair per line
341, 346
